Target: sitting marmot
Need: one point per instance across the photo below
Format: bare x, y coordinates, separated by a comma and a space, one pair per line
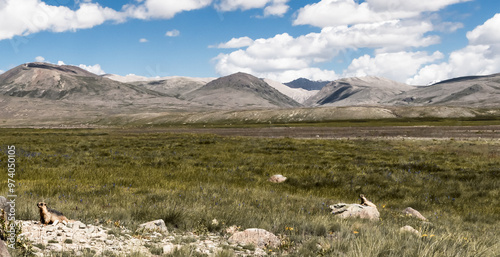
49, 216
366, 202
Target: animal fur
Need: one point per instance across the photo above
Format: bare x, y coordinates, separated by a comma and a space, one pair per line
366, 202
49, 216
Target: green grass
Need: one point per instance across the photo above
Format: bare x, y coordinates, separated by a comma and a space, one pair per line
189, 180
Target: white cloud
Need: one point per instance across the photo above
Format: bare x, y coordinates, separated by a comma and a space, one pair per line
411, 5
486, 34
96, 69
271, 7
173, 33
236, 43
60, 63
143, 40
480, 57
396, 66
2, 71
24, 17
39, 59
163, 9
328, 13
284, 54
278, 8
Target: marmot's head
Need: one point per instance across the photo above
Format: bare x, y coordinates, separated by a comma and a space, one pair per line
41, 205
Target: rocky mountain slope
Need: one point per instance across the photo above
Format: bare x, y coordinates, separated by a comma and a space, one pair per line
56, 82
174, 86
357, 91
240, 90
475, 91
298, 94
42, 93
307, 84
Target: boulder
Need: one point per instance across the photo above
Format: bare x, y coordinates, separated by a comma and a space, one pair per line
153, 226
414, 213
254, 236
354, 210
277, 179
409, 229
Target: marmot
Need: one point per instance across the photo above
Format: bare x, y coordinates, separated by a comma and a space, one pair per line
49, 216
366, 202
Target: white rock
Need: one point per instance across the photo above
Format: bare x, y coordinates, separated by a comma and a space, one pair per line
414, 213
255, 236
153, 226
277, 179
355, 211
169, 248
409, 229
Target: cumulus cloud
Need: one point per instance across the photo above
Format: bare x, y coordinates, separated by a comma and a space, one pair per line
487, 33
173, 33
347, 12
283, 53
143, 40
24, 17
480, 57
60, 63
397, 66
2, 71
96, 69
236, 43
39, 59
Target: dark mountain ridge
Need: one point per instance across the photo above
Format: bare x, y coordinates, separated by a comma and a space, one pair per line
307, 84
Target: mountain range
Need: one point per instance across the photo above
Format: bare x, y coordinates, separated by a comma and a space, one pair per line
70, 89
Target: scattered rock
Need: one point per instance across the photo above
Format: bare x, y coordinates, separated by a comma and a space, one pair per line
255, 236
344, 210
54, 247
170, 248
277, 179
414, 213
153, 226
409, 229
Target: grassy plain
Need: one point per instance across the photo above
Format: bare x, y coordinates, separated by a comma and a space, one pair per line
188, 180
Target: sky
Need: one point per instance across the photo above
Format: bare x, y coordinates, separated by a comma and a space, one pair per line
411, 41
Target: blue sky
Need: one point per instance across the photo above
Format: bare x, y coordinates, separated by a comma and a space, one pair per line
411, 41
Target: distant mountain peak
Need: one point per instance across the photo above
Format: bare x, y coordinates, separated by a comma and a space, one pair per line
307, 84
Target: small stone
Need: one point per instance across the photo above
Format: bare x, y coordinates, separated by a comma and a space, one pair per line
409, 229
109, 242
277, 179
153, 226
82, 226
414, 213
